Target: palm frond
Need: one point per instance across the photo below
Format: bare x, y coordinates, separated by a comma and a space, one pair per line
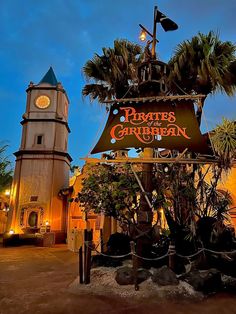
203, 63
97, 91
114, 73
224, 141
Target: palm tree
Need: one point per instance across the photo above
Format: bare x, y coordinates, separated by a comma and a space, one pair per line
113, 74
203, 65
224, 142
5, 171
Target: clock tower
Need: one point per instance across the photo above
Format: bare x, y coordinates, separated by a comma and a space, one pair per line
42, 162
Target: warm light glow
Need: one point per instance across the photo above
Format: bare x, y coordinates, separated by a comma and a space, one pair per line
142, 35
7, 192
166, 169
46, 223
11, 231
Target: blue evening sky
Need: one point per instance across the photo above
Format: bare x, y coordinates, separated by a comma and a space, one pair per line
64, 34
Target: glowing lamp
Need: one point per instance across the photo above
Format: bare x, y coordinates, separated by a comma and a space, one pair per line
7, 192
11, 231
166, 169
143, 35
47, 223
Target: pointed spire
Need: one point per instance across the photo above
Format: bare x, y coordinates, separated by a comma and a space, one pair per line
49, 78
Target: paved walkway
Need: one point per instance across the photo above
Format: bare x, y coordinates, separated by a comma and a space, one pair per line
36, 280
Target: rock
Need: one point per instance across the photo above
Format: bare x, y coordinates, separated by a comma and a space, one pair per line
164, 276
227, 265
207, 281
229, 283
143, 274
125, 275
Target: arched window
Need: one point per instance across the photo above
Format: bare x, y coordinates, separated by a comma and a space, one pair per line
33, 219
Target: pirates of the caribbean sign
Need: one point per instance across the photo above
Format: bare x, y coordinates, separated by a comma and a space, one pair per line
170, 125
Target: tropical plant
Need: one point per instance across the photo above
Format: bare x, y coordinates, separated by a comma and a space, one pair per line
203, 65
108, 190
212, 204
114, 73
177, 195
224, 143
5, 170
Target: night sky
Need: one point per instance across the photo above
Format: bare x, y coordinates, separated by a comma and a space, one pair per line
64, 34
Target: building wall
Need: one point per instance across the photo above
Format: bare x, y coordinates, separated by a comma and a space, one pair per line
37, 182
3, 221
228, 183
102, 226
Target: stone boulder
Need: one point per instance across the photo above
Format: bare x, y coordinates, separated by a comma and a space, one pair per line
226, 264
125, 275
164, 276
229, 283
207, 281
143, 274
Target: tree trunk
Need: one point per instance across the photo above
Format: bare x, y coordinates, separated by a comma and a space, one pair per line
145, 215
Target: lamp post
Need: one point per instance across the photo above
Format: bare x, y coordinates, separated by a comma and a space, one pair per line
144, 31
166, 23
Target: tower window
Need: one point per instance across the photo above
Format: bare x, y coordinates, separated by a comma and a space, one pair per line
39, 139
33, 198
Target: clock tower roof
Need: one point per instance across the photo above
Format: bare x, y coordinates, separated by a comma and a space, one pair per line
49, 78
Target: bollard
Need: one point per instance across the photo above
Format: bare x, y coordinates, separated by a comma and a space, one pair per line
88, 244
172, 255
81, 274
135, 265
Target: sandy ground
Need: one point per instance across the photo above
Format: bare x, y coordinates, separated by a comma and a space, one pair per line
44, 280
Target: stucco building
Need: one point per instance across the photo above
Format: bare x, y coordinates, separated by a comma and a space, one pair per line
42, 162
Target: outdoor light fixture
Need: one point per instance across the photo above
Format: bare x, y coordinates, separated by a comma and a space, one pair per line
11, 231
166, 169
7, 192
166, 23
143, 35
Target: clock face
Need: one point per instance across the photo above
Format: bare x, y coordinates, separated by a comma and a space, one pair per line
42, 102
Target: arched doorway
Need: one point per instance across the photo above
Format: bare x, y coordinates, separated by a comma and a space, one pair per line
31, 219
